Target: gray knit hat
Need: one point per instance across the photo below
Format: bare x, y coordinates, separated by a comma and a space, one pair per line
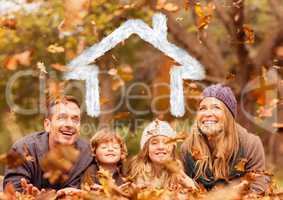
224, 94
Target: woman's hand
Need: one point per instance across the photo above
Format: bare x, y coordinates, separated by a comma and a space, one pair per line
186, 181
96, 187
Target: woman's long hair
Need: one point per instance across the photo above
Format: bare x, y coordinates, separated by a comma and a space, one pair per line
224, 151
142, 171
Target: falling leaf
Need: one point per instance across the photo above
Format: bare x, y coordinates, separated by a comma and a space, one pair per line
10, 192
41, 67
179, 19
27, 154
54, 48
104, 100
249, 34
160, 4
12, 62
122, 115
112, 71
170, 7
279, 51
58, 162
264, 112
196, 154
230, 77
204, 15
179, 138
240, 166
188, 4
59, 67
12, 159
277, 125
125, 72
75, 12
173, 167
116, 84
55, 87
8, 23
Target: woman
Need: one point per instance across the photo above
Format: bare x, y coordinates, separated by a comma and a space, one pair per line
217, 147
156, 165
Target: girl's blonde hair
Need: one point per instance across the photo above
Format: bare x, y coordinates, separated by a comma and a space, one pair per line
226, 148
141, 169
107, 135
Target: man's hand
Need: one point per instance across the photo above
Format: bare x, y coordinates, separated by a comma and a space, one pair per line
69, 191
29, 188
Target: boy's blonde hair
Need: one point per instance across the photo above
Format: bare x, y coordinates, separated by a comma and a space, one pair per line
107, 135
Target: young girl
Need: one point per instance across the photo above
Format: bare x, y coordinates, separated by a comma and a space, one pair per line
151, 167
109, 151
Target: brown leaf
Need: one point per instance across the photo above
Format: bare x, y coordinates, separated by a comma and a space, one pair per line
104, 100
204, 15
58, 162
12, 62
249, 34
122, 115
240, 166
173, 167
126, 73
277, 125
112, 72
196, 154
116, 84
27, 155
181, 136
54, 48
47, 195
230, 77
10, 192
170, 7
188, 4
75, 11
12, 159
8, 23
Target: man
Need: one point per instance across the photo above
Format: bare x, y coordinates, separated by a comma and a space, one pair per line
218, 149
62, 127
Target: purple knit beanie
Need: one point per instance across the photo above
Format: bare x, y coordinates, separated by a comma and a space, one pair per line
224, 94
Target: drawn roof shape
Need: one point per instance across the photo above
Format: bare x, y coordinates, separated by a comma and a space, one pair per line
189, 68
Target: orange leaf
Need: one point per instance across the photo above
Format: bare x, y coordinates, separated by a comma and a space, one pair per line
116, 84
54, 48
171, 7
13, 61
12, 159
204, 15
196, 154
104, 100
59, 67
122, 115
249, 34
58, 162
8, 23
240, 166
187, 4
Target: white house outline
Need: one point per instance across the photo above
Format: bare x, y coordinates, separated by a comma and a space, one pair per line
189, 67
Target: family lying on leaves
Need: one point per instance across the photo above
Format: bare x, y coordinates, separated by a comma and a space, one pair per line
209, 156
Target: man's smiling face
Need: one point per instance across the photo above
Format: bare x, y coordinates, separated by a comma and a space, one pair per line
63, 123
